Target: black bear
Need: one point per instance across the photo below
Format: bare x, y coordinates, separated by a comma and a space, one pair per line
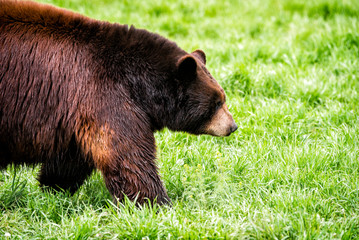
77, 94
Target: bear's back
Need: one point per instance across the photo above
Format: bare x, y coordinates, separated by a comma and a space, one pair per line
32, 13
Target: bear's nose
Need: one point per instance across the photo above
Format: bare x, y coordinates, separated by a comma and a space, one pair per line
234, 127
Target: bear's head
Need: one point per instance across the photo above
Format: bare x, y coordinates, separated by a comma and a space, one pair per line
202, 101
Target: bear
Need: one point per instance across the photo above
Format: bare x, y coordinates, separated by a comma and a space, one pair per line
78, 95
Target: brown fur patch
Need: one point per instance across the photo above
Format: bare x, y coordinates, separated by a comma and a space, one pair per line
96, 141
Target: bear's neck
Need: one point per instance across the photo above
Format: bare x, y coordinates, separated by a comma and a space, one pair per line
145, 64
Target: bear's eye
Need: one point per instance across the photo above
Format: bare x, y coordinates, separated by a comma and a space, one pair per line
218, 104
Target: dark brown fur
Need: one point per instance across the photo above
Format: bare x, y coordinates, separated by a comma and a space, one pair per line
78, 94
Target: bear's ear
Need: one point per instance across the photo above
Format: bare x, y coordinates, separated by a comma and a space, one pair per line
187, 67
200, 55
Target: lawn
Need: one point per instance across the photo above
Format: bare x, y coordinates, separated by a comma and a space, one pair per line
291, 171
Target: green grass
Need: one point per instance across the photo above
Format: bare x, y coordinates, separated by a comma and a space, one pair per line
291, 73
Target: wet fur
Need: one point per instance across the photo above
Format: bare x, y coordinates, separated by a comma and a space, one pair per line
78, 94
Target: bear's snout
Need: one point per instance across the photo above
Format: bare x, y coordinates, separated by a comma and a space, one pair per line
222, 123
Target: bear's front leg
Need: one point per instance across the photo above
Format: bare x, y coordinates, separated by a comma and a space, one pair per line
126, 159
135, 177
